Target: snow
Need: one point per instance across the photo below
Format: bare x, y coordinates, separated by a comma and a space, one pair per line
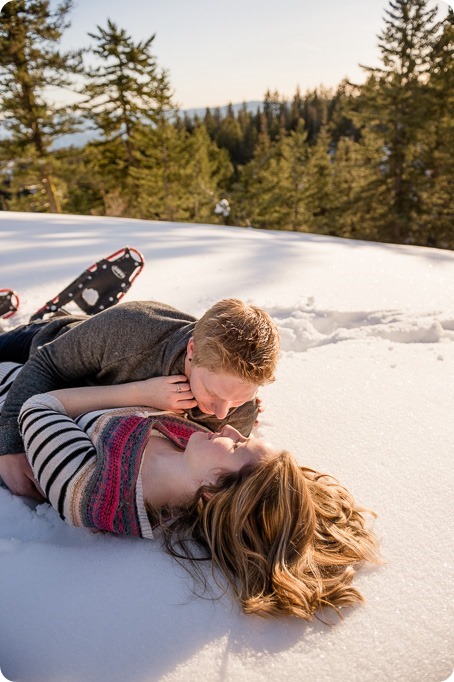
364, 391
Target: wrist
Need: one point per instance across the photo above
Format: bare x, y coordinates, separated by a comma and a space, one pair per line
133, 394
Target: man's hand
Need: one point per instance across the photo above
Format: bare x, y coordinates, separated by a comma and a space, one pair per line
17, 473
168, 393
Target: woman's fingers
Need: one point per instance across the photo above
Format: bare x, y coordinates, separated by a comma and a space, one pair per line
187, 403
18, 476
182, 385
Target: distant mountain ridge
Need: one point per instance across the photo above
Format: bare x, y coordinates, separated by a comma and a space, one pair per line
252, 107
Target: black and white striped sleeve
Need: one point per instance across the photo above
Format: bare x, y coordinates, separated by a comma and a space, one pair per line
8, 372
57, 449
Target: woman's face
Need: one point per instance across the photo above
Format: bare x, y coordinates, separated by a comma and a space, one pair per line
210, 455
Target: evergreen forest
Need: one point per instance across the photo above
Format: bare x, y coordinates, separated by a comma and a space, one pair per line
366, 161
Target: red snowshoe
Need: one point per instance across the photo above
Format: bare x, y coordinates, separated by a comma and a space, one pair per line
97, 288
9, 303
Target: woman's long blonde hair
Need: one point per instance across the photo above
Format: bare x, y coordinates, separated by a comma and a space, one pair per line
286, 538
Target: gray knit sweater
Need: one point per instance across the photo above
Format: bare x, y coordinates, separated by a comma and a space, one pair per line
128, 342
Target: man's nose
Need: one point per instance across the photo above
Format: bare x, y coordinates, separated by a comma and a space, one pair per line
221, 409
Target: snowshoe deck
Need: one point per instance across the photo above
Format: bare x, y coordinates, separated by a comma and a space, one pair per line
9, 303
97, 288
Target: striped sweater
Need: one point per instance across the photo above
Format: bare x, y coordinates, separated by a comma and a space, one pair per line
8, 373
89, 468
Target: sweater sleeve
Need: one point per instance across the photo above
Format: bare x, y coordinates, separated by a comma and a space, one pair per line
125, 343
9, 371
57, 449
74, 358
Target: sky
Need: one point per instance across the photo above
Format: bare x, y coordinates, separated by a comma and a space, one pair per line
218, 53
363, 391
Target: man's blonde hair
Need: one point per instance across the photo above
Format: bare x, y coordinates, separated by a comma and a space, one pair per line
237, 339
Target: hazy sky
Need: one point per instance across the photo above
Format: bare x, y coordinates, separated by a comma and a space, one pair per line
217, 53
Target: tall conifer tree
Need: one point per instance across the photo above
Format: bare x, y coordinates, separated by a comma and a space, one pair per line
319, 186
254, 193
394, 105
126, 93
292, 178
161, 180
358, 199
30, 61
209, 173
439, 142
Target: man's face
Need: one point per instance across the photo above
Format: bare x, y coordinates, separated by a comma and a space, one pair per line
218, 393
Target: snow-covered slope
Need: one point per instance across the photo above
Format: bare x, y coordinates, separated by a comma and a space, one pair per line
365, 391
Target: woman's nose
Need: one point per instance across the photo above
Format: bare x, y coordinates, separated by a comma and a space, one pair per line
231, 432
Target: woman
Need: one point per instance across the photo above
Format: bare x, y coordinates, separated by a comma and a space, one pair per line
285, 538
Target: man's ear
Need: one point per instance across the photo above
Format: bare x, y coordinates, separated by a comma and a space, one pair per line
190, 348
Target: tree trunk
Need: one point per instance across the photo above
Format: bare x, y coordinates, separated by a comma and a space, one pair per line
46, 180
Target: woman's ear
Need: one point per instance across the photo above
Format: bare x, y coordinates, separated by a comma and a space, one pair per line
207, 494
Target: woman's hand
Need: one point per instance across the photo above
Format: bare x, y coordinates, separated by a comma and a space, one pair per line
164, 393
18, 476
167, 393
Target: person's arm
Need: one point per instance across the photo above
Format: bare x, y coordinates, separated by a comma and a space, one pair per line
102, 349
127, 342
9, 371
159, 392
163, 393
15, 470
60, 363
57, 449
79, 356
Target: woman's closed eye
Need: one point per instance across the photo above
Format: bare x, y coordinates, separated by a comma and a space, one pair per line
239, 442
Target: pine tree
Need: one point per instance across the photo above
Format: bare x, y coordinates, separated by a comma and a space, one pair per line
315, 112
438, 142
230, 136
248, 134
209, 172
276, 113
161, 181
254, 193
291, 189
394, 106
210, 124
342, 105
30, 61
318, 195
358, 198
296, 113
126, 94
84, 191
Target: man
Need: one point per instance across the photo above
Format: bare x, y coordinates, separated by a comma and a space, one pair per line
225, 356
